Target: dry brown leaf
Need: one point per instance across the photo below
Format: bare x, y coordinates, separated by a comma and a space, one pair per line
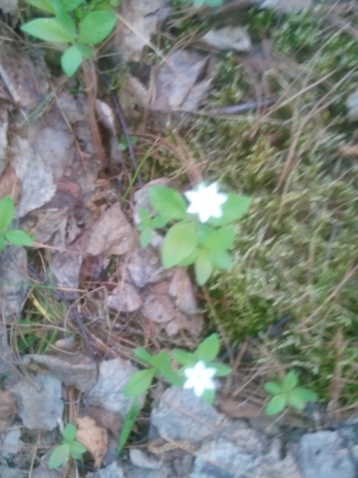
93, 437
143, 267
124, 298
236, 409
105, 419
8, 182
159, 308
7, 409
111, 234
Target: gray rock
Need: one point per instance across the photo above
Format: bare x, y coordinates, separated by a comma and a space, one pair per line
181, 416
136, 472
142, 460
324, 455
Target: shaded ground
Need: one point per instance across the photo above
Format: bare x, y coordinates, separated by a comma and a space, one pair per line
263, 101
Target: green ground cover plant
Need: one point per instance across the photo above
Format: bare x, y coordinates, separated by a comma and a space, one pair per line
15, 237
69, 447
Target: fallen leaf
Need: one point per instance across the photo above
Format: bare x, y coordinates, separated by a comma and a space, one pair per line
93, 437
8, 182
106, 419
7, 409
158, 308
124, 298
138, 20
143, 266
228, 38
14, 282
111, 234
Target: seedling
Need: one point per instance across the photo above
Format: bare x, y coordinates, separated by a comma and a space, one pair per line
69, 447
123, 144
189, 240
128, 423
14, 237
198, 369
75, 23
286, 393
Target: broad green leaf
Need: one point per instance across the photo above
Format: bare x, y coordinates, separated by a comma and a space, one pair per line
47, 29
275, 388
7, 211
86, 51
71, 5
145, 237
2, 242
222, 370
144, 216
96, 26
233, 208
167, 202
127, 426
67, 23
208, 349
208, 396
141, 354
276, 404
220, 240
220, 260
203, 231
18, 238
71, 60
203, 268
59, 456
69, 432
191, 258
77, 450
183, 358
298, 397
161, 361
159, 221
44, 5
290, 381
173, 378
179, 243
139, 382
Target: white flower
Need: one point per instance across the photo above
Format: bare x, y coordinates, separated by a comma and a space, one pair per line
199, 378
206, 201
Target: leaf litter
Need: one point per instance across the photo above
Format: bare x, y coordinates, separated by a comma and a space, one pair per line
87, 245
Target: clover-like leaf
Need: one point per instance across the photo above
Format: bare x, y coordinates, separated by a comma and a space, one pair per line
96, 26
59, 456
290, 381
139, 382
298, 397
275, 388
77, 450
276, 404
167, 202
208, 349
69, 432
180, 241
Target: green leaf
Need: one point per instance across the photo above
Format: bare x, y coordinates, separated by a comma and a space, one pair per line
96, 26
161, 361
67, 23
7, 211
139, 382
220, 240
69, 432
167, 202
159, 221
290, 381
44, 5
59, 456
275, 388
184, 358
48, 29
173, 378
141, 354
18, 238
71, 5
127, 426
71, 60
86, 51
77, 450
208, 396
220, 260
298, 397
179, 243
191, 258
2, 242
145, 237
144, 216
276, 404
208, 349
203, 268
233, 208
222, 370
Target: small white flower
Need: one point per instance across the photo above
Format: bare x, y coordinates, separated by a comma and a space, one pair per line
206, 201
199, 378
